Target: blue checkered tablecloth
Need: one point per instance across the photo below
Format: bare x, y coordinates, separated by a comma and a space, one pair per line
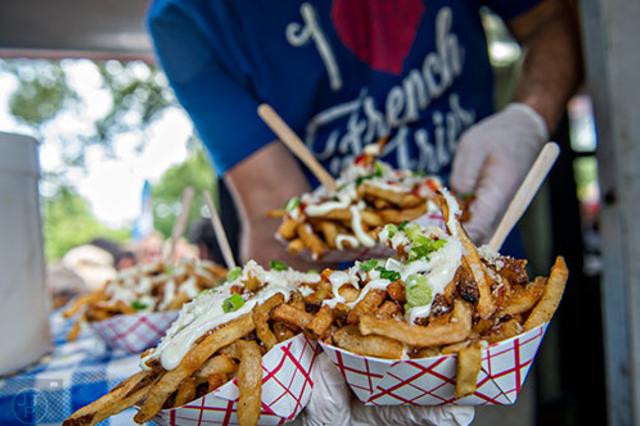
71, 376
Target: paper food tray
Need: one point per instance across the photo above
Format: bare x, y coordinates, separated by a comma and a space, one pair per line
431, 381
135, 332
286, 389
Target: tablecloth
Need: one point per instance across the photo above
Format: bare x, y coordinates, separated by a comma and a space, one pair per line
71, 376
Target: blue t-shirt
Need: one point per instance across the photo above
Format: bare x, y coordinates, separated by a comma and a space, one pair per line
342, 73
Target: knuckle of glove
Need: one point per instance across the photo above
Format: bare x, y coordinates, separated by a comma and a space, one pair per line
330, 398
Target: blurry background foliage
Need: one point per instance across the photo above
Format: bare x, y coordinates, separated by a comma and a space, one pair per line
139, 93
68, 222
167, 192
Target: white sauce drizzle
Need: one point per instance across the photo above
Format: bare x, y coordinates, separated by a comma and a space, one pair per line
356, 225
454, 212
190, 288
341, 239
205, 312
169, 294
325, 208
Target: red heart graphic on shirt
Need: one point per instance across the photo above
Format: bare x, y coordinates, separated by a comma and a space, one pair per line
378, 32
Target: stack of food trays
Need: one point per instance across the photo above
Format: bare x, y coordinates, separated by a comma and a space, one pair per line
133, 310
439, 322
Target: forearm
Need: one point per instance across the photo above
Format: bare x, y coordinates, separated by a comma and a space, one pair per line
263, 182
553, 63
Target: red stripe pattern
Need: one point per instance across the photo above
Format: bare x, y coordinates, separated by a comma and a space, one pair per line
134, 333
286, 389
431, 381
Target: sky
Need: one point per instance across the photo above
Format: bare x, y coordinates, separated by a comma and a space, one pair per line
112, 184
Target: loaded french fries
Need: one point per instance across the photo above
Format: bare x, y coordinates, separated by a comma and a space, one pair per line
439, 294
155, 287
370, 193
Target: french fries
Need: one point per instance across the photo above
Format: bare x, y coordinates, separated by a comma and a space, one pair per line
155, 287
370, 194
426, 301
467, 369
222, 333
439, 295
350, 338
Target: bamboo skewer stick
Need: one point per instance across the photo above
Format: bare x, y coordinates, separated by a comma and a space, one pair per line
297, 147
221, 236
180, 223
528, 189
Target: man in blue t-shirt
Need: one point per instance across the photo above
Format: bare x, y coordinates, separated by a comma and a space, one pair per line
343, 73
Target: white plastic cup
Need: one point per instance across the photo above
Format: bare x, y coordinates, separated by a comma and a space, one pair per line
24, 300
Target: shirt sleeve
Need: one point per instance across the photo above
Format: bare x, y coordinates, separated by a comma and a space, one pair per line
508, 9
223, 112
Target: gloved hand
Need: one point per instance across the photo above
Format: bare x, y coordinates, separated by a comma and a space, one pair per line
491, 162
332, 404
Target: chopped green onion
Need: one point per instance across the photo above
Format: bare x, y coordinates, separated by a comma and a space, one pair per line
403, 225
234, 273
387, 274
368, 265
292, 204
378, 172
278, 265
418, 291
232, 303
413, 231
425, 248
392, 230
138, 306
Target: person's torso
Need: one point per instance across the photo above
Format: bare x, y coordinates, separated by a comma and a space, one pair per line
345, 73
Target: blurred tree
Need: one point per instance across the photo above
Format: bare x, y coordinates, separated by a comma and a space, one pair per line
68, 222
167, 193
139, 94
41, 94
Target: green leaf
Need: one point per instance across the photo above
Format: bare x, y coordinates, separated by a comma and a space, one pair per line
138, 306
278, 265
403, 225
232, 303
418, 291
234, 273
368, 265
292, 204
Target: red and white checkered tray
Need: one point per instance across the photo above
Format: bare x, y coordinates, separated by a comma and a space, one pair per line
134, 332
286, 389
431, 381
364, 253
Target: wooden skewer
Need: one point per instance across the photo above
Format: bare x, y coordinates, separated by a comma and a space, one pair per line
293, 142
525, 194
180, 223
221, 236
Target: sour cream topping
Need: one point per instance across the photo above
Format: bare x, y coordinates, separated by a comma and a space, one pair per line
205, 312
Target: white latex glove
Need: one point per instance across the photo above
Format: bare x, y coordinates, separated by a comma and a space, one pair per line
492, 160
332, 404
